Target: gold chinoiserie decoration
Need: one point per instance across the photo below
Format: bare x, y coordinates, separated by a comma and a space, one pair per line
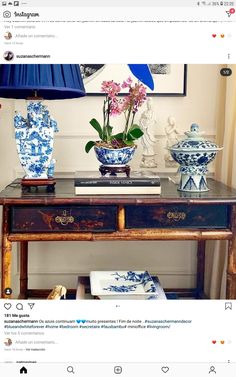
65, 219
176, 216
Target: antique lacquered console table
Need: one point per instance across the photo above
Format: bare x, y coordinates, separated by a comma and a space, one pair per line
63, 216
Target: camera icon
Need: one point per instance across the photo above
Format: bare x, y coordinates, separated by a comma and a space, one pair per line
6, 14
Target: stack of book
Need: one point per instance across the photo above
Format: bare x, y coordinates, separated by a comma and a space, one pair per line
139, 183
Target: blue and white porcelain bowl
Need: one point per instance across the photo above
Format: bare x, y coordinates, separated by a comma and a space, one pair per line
193, 154
114, 157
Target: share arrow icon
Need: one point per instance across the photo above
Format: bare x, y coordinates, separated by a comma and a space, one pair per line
31, 305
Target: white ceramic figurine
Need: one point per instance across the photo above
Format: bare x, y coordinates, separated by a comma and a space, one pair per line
147, 124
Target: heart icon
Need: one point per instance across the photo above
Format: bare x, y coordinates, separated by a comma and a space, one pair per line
165, 369
7, 306
222, 342
214, 341
222, 35
213, 35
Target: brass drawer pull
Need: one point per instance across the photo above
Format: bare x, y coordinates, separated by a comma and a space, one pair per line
176, 216
64, 219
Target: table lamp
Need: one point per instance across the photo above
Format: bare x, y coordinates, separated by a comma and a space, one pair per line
142, 73
34, 134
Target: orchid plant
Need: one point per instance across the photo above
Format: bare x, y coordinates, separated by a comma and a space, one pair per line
114, 106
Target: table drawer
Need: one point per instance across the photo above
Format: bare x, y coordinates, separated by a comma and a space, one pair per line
179, 216
39, 219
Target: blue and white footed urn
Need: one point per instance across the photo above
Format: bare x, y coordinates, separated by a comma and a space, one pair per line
193, 154
34, 141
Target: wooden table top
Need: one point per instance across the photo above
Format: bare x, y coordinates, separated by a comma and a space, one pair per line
64, 194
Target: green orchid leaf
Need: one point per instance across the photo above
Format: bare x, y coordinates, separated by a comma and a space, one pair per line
90, 144
130, 137
118, 136
134, 126
136, 133
129, 142
95, 124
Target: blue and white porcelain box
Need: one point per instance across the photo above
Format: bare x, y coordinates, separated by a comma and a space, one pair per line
194, 154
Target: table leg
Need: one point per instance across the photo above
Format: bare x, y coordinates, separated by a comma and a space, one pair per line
6, 254
200, 268
231, 270
23, 270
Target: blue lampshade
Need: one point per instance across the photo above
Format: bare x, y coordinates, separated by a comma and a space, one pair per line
142, 73
51, 81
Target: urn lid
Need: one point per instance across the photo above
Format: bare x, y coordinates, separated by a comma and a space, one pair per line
194, 142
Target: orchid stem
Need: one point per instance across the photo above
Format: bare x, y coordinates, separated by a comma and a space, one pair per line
127, 125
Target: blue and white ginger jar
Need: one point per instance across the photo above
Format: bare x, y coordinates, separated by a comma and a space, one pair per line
34, 141
193, 154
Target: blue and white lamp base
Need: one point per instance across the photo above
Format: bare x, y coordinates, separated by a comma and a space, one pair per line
34, 141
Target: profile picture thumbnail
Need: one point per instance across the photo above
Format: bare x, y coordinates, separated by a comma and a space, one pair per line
8, 55
8, 35
7, 342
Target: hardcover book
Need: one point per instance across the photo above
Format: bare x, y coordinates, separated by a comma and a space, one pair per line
92, 183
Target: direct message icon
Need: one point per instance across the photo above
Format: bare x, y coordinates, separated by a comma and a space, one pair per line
230, 12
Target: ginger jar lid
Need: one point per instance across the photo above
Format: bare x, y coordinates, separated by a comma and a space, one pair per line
194, 142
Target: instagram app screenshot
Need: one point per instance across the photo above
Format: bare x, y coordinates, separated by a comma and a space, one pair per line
118, 188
